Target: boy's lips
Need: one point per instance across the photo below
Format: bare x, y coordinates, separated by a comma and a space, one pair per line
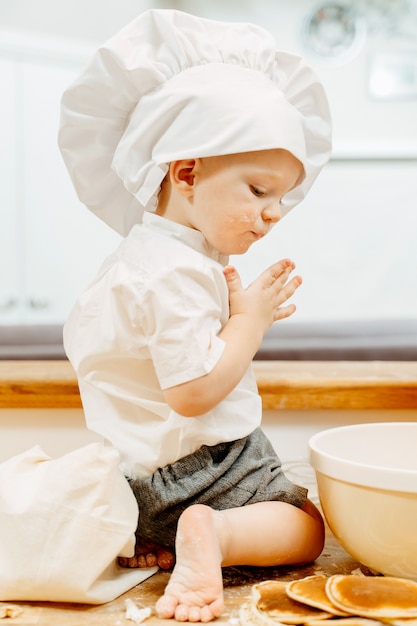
258, 235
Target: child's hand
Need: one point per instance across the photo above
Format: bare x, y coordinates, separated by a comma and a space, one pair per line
263, 299
252, 311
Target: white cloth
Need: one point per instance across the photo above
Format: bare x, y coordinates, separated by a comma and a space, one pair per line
151, 319
171, 85
63, 523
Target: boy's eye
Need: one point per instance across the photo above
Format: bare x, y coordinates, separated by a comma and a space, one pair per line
256, 191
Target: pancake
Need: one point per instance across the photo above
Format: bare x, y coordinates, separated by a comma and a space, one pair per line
348, 621
312, 591
271, 604
402, 622
377, 597
9, 611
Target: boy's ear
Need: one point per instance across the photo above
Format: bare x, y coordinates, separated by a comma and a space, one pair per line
182, 175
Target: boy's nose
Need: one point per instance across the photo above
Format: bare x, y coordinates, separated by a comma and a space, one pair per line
272, 212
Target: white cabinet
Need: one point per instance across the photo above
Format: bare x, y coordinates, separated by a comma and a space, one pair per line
9, 273
50, 245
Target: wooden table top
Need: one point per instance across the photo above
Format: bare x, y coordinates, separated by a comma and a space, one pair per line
237, 581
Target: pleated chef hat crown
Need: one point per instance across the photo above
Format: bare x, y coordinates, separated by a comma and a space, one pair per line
172, 86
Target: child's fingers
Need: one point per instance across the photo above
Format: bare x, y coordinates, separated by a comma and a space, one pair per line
232, 278
288, 290
279, 271
284, 311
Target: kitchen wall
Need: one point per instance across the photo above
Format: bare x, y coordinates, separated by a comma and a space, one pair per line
354, 237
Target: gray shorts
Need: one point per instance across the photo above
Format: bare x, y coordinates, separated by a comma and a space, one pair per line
223, 476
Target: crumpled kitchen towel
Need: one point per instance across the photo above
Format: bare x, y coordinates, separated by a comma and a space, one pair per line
63, 523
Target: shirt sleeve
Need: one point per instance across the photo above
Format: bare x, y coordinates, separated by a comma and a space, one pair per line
183, 312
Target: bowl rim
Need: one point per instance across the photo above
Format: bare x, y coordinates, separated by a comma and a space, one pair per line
379, 477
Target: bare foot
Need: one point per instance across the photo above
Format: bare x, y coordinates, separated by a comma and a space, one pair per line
195, 590
149, 554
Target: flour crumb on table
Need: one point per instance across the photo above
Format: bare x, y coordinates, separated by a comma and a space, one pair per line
357, 572
135, 613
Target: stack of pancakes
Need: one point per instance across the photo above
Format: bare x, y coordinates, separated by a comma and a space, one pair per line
345, 600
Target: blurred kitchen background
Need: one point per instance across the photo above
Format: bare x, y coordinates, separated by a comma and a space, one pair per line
354, 239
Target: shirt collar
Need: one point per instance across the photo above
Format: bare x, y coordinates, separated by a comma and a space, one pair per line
189, 236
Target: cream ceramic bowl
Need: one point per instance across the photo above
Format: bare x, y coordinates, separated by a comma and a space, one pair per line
367, 485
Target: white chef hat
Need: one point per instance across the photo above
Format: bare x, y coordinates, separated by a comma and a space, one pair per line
172, 86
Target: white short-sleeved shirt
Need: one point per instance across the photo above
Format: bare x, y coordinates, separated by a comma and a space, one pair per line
149, 321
